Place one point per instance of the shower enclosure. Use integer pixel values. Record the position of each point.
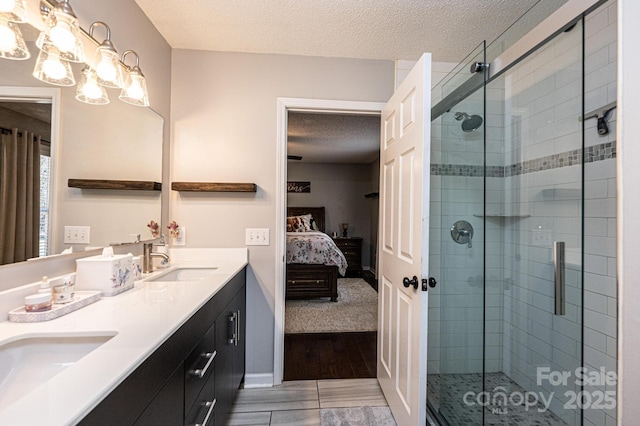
(505, 332)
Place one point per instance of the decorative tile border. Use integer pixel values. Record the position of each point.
(600, 152)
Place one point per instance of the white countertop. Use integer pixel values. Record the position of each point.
(143, 318)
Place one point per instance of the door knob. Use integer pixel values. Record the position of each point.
(432, 282)
(413, 282)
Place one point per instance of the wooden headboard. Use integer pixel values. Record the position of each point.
(316, 212)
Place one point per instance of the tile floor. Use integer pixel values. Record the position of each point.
(313, 402)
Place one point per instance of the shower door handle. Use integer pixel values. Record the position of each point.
(559, 277)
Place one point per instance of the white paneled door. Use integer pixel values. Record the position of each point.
(404, 238)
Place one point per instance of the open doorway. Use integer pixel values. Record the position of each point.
(331, 288)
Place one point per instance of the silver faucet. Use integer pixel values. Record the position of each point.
(147, 257)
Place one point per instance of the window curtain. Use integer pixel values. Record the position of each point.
(19, 196)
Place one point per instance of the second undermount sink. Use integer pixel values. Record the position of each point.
(30, 361)
(186, 274)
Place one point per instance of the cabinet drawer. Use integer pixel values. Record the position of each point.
(198, 367)
(202, 413)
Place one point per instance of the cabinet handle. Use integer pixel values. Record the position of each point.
(233, 340)
(202, 371)
(210, 405)
(237, 327)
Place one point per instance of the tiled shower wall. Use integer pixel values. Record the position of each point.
(542, 177)
(534, 168)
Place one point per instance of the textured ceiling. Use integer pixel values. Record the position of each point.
(368, 29)
(332, 138)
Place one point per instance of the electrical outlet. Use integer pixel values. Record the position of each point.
(76, 234)
(257, 236)
(182, 237)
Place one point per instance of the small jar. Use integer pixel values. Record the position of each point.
(37, 302)
(63, 293)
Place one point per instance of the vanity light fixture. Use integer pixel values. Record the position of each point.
(12, 45)
(51, 69)
(134, 91)
(14, 10)
(62, 33)
(107, 64)
(89, 90)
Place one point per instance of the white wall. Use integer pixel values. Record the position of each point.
(628, 204)
(224, 118)
(340, 188)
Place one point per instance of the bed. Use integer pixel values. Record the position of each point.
(313, 259)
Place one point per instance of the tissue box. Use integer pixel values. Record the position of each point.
(109, 274)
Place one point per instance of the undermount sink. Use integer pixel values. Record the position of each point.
(30, 361)
(186, 274)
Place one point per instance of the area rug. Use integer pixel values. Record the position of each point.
(357, 416)
(355, 310)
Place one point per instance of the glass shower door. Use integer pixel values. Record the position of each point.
(534, 238)
(456, 246)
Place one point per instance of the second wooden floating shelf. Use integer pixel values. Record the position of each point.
(213, 187)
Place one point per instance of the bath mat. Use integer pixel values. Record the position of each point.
(357, 416)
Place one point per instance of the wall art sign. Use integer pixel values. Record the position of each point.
(298, 186)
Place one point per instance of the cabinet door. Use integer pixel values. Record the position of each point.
(224, 390)
(239, 305)
(230, 361)
(168, 405)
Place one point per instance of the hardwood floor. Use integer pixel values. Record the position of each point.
(314, 356)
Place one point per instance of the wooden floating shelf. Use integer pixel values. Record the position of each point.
(130, 185)
(213, 187)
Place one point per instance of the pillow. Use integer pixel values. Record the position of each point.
(299, 223)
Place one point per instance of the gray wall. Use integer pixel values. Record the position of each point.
(340, 188)
(224, 126)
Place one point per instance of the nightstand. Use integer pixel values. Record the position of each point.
(351, 247)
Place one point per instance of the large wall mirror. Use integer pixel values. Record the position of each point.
(116, 141)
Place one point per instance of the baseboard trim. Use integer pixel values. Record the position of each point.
(258, 380)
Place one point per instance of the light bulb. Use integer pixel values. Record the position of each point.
(105, 70)
(7, 5)
(135, 90)
(54, 69)
(91, 89)
(62, 37)
(8, 40)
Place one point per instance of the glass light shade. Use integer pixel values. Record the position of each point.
(89, 91)
(51, 69)
(108, 68)
(63, 34)
(134, 91)
(14, 10)
(12, 45)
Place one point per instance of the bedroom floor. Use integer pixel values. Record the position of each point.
(310, 356)
(332, 340)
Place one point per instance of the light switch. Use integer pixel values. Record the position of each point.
(76, 234)
(257, 236)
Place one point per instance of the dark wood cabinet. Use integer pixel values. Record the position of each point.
(193, 377)
(351, 247)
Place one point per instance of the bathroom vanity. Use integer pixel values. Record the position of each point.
(174, 351)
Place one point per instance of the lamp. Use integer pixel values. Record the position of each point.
(14, 10)
(345, 226)
(62, 33)
(134, 91)
(12, 45)
(89, 90)
(107, 63)
(51, 69)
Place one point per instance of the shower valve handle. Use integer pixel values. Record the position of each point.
(413, 282)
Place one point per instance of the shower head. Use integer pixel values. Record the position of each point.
(470, 122)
